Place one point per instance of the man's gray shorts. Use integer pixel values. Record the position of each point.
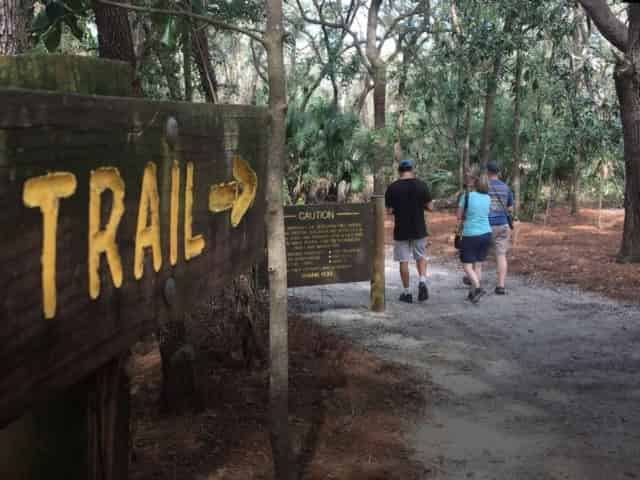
(404, 250)
(501, 239)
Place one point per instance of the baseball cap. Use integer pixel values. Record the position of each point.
(405, 165)
(492, 167)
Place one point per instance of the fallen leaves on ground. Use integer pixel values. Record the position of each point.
(348, 414)
(566, 249)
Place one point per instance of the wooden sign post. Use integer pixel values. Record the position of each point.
(377, 275)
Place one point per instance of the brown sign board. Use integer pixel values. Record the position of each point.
(104, 200)
(330, 243)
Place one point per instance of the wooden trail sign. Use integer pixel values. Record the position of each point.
(329, 243)
(104, 200)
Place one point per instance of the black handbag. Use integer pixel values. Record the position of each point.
(457, 240)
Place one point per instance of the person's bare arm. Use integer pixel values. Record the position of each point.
(460, 213)
(428, 206)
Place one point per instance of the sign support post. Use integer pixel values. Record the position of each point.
(377, 268)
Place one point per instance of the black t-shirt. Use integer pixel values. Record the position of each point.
(408, 197)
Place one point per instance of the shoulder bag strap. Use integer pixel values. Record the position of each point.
(466, 205)
(501, 203)
(506, 212)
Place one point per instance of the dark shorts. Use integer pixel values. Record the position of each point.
(475, 249)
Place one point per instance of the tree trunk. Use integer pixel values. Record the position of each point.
(402, 88)
(360, 100)
(379, 113)
(201, 53)
(115, 40)
(331, 64)
(108, 417)
(248, 96)
(539, 185)
(397, 145)
(490, 100)
(379, 73)
(604, 174)
(552, 189)
(600, 188)
(573, 85)
(186, 63)
(114, 33)
(489, 105)
(13, 26)
(575, 181)
(466, 144)
(515, 172)
(276, 253)
(310, 90)
(628, 88)
(628, 91)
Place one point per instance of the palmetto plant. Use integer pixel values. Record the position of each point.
(324, 142)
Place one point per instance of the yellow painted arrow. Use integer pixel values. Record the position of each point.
(237, 195)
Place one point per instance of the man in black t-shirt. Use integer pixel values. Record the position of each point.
(407, 198)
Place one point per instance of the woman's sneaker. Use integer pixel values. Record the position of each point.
(423, 292)
(500, 291)
(406, 297)
(474, 296)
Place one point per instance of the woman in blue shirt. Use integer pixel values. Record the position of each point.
(476, 231)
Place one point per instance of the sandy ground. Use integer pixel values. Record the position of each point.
(543, 383)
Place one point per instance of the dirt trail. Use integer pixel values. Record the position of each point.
(543, 383)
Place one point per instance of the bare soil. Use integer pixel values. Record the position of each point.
(348, 413)
(567, 249)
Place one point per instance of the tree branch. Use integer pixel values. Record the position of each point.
(342, 26)
(184, 13)
(421, 7)
(256, 64)
(373, 52)
(609, 25)
(358, 105)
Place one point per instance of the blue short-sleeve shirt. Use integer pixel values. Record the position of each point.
(501, 200)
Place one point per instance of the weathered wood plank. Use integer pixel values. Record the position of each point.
(49, 132)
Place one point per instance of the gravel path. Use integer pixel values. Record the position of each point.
(543, 383)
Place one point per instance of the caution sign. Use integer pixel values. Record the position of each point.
(328, 244)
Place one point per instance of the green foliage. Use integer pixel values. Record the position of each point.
(54, 16)
(568, 101)
(323, 142)
(170, 33)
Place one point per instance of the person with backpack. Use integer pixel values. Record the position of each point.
(475, 240)
(407, 199)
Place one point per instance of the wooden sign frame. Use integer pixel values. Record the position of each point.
(139, 193)
(329, 243)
